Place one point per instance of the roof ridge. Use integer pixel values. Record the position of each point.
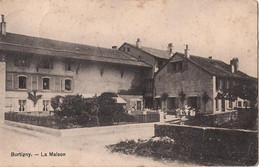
(56, 40)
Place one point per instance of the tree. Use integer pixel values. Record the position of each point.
(33, 97)
(242, 90)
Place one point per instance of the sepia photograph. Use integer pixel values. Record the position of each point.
(129, 83)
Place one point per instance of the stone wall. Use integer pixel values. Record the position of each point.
(217, 143)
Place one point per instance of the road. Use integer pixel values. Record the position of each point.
(85, 150)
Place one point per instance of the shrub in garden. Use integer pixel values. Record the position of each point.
(109, 110)
(159, 147)
(73, 109)
(56, 102)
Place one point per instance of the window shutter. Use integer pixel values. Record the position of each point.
(28, 83)
(63, 85)
(9, 81)
(72, 84)
(40, 83)
(34, 82)
(57, 84)
(52, 83)
(16, 82)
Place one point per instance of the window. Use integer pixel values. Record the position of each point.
(68, 65)
(217, 105)
(46, 83)
(22, 82)
(171, 103)
(239, 104)
(138, 105)
(45, 104)
(47, 63)
(68, 84)
(124, 49)
(177, 67)
(128, 49)
(193, 102)
(230, 104)
(21, 61)
(223, 105)
(21, 104)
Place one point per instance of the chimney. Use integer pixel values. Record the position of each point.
(3, 25)
(138, 43)
(187, 51)
(170, 49)
(210, 57)
(234, 64)
(114, 47)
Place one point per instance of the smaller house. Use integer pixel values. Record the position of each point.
(197, 81)
(154, 57)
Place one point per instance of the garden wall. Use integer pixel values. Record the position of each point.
(220, 118)
(217, 143)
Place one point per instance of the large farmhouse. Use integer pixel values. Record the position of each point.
(196, 81)
(61, 68)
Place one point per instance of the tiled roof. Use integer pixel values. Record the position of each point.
(42, 46)
(215, 67)
(163, 54)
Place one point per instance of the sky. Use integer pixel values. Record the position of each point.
(222, 29)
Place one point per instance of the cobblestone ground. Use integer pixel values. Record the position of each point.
(85, 150)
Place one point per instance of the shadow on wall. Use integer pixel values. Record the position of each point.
(136, 87)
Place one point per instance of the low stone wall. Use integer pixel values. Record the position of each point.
(220, 143)
(224, 117)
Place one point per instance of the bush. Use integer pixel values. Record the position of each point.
(74, 109)
(56, 102)
(109, 110)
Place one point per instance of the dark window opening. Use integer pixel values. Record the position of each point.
(230, 104)
(67, 84)
(22, 82)
(177, 67)
(128, 49)
(46, 83)
(22, 105)
(47, 63)
(171, 103)
(217, 105)
(138, 105)
(21, 61)
(158, 104)
(46, 105)
(223, 105)
(239, 104)
(193, 102)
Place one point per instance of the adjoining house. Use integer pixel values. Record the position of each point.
(196, 81)
(154, 57)
(61, 68)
